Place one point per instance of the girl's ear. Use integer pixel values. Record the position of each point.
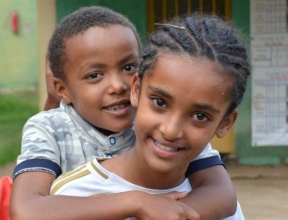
(226, 124)
(61, 90)
(135, 91)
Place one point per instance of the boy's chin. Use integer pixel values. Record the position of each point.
(113, 130)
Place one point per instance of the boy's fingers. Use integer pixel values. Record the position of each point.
(192, 215)
(174, 195)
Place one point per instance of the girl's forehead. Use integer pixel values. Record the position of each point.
(189, 74)
(188, 85)
(183, 62)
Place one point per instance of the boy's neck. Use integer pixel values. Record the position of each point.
(105, 132)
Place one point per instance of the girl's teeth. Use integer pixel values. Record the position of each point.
(165, 147)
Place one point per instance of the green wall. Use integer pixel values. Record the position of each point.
(246, 153)
(18, 63)
(135, 10)
(19, 52)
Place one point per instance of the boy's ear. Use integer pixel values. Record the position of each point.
(61, 90)
(135, 91)
(226, 124)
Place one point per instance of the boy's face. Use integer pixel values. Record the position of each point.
(101, 64)
(182, 105)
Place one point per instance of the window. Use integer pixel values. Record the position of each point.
(161, 10)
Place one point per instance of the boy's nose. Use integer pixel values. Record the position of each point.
(172, 128)
(117, 85)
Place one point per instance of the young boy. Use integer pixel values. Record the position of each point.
(192, 77)
(93, 70)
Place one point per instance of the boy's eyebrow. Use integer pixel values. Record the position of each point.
(102, 65)
(93, 65)
(129, 57)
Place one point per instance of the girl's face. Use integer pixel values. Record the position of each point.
(181, 106)
(99, 69)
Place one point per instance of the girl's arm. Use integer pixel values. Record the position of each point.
(213, 195)
(30, 200)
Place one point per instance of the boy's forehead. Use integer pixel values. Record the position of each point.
(98, 45)
(103, 35)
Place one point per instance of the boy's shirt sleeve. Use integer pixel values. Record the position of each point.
(208, 158)
(207, 153)
(39, 149)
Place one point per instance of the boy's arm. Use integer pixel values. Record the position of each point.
(53, 99)
(30, 200)
(213, 195)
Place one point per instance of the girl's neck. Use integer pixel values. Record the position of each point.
(132, 167)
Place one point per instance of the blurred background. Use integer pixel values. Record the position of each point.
(255, 151)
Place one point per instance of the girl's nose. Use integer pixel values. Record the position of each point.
(172, 128)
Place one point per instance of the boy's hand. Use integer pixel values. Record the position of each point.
(165, 206)
(173, 195)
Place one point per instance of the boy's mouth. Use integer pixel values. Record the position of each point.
(118, 105)
(115, 107)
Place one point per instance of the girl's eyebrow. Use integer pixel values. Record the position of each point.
(160, 91)
(206, 107)
(202, 106)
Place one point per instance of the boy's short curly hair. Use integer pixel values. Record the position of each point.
(76, 23)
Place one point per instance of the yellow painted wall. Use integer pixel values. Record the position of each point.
(46, 16)
(224, 145)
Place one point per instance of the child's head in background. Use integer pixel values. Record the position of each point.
(93, 54)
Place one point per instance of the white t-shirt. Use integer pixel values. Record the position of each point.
(92, 179)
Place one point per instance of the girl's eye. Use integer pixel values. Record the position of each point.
(130, 68)
(159, 102)
(200, 117)
(94, 76)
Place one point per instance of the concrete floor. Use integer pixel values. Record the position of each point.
(261, 191)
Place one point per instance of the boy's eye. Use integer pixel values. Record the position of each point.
(200, 117)
(158, 102)
(94, 75)
(130, 68)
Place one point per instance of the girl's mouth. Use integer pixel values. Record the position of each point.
(163, 147)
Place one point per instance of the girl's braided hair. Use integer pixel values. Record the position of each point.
(202, 36)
